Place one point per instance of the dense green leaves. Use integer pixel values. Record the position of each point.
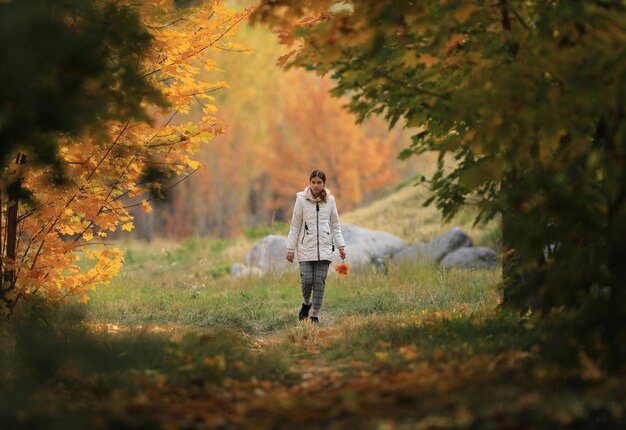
(525, 102)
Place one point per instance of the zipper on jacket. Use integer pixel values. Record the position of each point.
(317, 213)
(306, 228)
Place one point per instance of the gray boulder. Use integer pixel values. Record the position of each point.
(240, 270)
(268, 254)
(474, 258)
(237, 269)
(367, 247)
(436, 249)
(411, 254)
(375, 242)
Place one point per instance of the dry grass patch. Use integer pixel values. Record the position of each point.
(403, 214)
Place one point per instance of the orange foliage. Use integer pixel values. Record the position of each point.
(320, 133)
(105, 172)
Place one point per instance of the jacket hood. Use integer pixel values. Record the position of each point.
(309, 196)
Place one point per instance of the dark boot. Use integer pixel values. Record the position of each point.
(304, 312)
(315, 320)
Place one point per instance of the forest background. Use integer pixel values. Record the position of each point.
(279, 126)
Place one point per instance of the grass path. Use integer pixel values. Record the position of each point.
(173, 343)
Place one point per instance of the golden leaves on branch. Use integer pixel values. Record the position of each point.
(107, 170)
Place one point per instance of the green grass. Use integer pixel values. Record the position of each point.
(189, 295)
(174, 342)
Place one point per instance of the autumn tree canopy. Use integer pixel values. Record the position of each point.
(317, 132)
(528, 98)
(280, 127)
(124, 60)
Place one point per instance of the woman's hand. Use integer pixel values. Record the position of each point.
(342, 253)
(290, 255)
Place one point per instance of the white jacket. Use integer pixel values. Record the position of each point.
(315, 230)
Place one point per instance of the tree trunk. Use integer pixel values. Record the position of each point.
(616, 316)
(521, 285)
(511, 277)
(8, 281)
(11, 244)
(615, 319)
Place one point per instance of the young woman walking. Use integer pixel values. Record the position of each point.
(314, 233)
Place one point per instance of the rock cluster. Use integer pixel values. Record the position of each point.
(372, 250)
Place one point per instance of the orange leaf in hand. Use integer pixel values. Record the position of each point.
(343, 269)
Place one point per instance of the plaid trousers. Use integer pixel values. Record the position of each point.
(313, 280)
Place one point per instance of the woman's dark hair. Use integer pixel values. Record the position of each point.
(318, 174)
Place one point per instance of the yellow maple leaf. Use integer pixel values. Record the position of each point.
(128, 226)
(145, 206)
(67, 230)
(194, 164)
